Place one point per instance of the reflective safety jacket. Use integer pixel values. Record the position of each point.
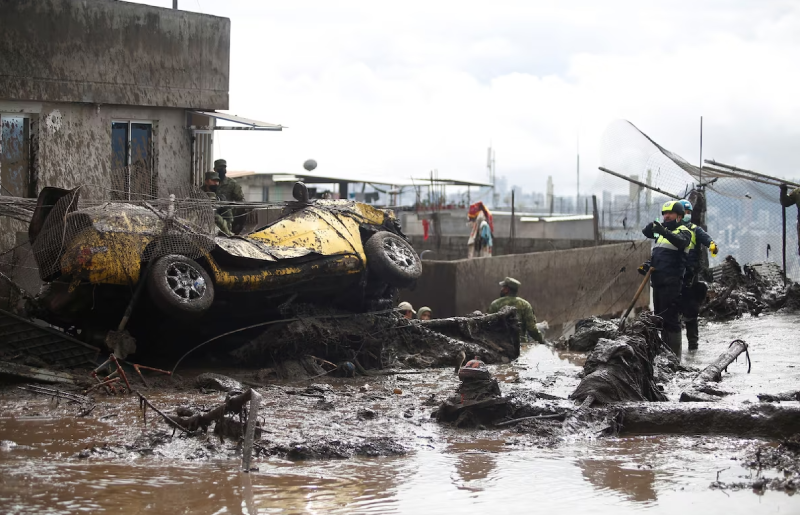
(699, 237)
(669, 253)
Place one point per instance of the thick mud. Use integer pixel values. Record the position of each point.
(369, 444)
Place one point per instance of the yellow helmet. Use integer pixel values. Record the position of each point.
(673, 206)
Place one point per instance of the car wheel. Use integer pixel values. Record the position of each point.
(392, 259)
(180, 287)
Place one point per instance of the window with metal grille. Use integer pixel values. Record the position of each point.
(15, 156)
(132, 160)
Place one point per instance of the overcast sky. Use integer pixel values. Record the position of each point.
(401, 88)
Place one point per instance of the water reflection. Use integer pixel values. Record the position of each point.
(634, 484)
(474, 462)
(472, 468)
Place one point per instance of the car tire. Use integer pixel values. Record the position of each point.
(180, 287)
(392, 259)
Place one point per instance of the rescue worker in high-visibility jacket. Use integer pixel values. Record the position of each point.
(669, 263)
(694, 291)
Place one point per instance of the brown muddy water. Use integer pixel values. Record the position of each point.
(444, 470)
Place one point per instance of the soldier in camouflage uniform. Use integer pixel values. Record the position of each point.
(527, 320)
(222, 217)
(229, 190)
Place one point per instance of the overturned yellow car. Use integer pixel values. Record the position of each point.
(94, 255)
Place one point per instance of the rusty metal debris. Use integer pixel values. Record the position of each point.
(86, 403)
(116, 371)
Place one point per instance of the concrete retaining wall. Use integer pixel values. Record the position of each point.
(562, 286)
(454, 223)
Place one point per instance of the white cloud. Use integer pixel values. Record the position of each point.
(399, 89)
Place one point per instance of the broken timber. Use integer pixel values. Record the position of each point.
(39, 375)
(759, 420)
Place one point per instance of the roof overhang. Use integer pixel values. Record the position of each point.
(248, 124)
(438, 181)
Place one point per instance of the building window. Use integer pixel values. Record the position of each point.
(265, 194)
(15, 156)
(132, 160)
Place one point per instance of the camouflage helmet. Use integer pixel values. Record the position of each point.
(512, 283)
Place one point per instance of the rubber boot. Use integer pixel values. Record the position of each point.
(692, 334)
(674, 341)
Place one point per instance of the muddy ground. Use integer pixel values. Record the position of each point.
(369, 443)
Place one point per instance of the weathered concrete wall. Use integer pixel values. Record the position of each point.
(561, 285)
(110, 52)
(72, 147)
(455, 247)
(75, 144)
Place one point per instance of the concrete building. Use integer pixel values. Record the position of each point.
(89, 87)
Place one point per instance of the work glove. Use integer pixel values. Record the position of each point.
(714, 249)
(643, 268)
(658, 228)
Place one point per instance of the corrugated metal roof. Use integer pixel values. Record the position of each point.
(317, 178)
(251, 124)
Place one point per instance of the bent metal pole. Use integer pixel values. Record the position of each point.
(634, 181)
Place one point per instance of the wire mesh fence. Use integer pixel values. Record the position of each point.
(743, 211)
(123, 223)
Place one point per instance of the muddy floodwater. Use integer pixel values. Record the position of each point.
(443, 470)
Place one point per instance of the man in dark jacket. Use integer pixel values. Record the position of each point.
(668, 260)
(694, 292)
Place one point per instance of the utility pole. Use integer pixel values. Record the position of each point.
(578, 173)
(490, 169)
(701, 150)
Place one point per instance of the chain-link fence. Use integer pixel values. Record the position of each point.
(743, 211)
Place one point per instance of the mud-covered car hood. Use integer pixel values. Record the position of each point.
(254, 249)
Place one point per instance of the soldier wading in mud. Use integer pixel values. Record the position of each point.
(694, 291)
(527, 320)
(669, 261)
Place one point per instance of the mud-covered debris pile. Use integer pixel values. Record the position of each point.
(752, 289)
(382, 341)
(623, 369)
(477, 401)
(784, 460)
(588, 332)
